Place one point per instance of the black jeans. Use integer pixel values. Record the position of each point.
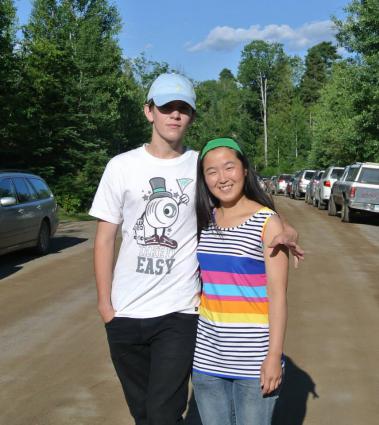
(153, 360)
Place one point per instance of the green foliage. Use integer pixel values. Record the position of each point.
(8, 73)
(335, 135)
(318, 63)
(69, 100)
(219, 113)
(360, 33)
(146, 71)
(261, 59)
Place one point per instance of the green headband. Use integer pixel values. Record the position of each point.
(220, 143)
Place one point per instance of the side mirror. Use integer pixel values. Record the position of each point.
(8, 201)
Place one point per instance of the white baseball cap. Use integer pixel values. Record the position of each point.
(169, 87)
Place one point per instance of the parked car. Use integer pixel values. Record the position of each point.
(356, 192)
(271, 185)
(310, 190)
(300, 183)
(288, 191)
(324, 186)
(281, 183)
(261, 182)
(28, 212)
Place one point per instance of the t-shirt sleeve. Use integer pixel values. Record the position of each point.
(107, 204)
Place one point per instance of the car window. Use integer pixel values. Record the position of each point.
(6, 188)
(369, 175)
(336, 173)
(352, 174)
(23, 192)
(43, 191)
(308, 175)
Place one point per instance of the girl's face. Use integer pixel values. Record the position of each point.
(224, 175)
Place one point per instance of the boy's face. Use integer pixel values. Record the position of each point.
(170, 121)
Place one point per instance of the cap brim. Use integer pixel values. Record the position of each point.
(161, 100)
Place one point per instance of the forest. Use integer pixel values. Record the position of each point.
(70, 100)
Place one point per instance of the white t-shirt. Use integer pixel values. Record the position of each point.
(156, 271)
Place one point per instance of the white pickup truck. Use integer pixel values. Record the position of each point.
(356, 192)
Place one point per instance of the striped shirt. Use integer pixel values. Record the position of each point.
(233, 332)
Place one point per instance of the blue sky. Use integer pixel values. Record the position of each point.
(201, 37)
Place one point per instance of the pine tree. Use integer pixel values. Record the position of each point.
(318, 65)
(8, 78)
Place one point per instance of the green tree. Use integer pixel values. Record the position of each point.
(335, 139)
(359, 33)
(219, 113)
(318, 63)
(259, 71)
(75, 93)
(8, 75)
(146, 70)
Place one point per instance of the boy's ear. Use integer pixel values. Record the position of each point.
(148, 110)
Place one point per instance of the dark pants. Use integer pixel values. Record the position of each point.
(153, 360)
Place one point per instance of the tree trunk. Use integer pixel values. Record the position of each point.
(263, 86)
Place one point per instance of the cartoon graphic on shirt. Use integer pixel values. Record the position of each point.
(161, 212)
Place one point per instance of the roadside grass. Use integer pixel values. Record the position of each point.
(64, 216)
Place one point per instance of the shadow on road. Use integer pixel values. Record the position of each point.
(364, 219)
(13, 262)
(291, 407)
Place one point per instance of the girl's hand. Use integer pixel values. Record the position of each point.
(271, 373)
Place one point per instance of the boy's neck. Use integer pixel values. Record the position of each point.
(165, 150)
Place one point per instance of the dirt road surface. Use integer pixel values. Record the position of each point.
(54, 363)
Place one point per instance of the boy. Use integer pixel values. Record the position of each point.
(149, 302)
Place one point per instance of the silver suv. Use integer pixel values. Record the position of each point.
(28, 212)
(300, 183)
(324, 186)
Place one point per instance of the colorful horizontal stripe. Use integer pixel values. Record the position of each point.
(217, 305)
(224, 263)
(238, 279)
(234, 290)
(233, 317)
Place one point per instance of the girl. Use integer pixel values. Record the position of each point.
(238, 357)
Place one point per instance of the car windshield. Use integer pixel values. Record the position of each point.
(336, 173)
(369, 175)
(308, 175)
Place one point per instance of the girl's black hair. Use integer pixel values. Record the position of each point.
(205, 201)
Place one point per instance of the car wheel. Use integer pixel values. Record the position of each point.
(43, 242)
(346, 213)
(332, 210)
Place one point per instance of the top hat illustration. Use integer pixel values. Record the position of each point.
(158, 184)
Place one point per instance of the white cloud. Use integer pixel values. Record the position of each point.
(148, 46)
(296, 39)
